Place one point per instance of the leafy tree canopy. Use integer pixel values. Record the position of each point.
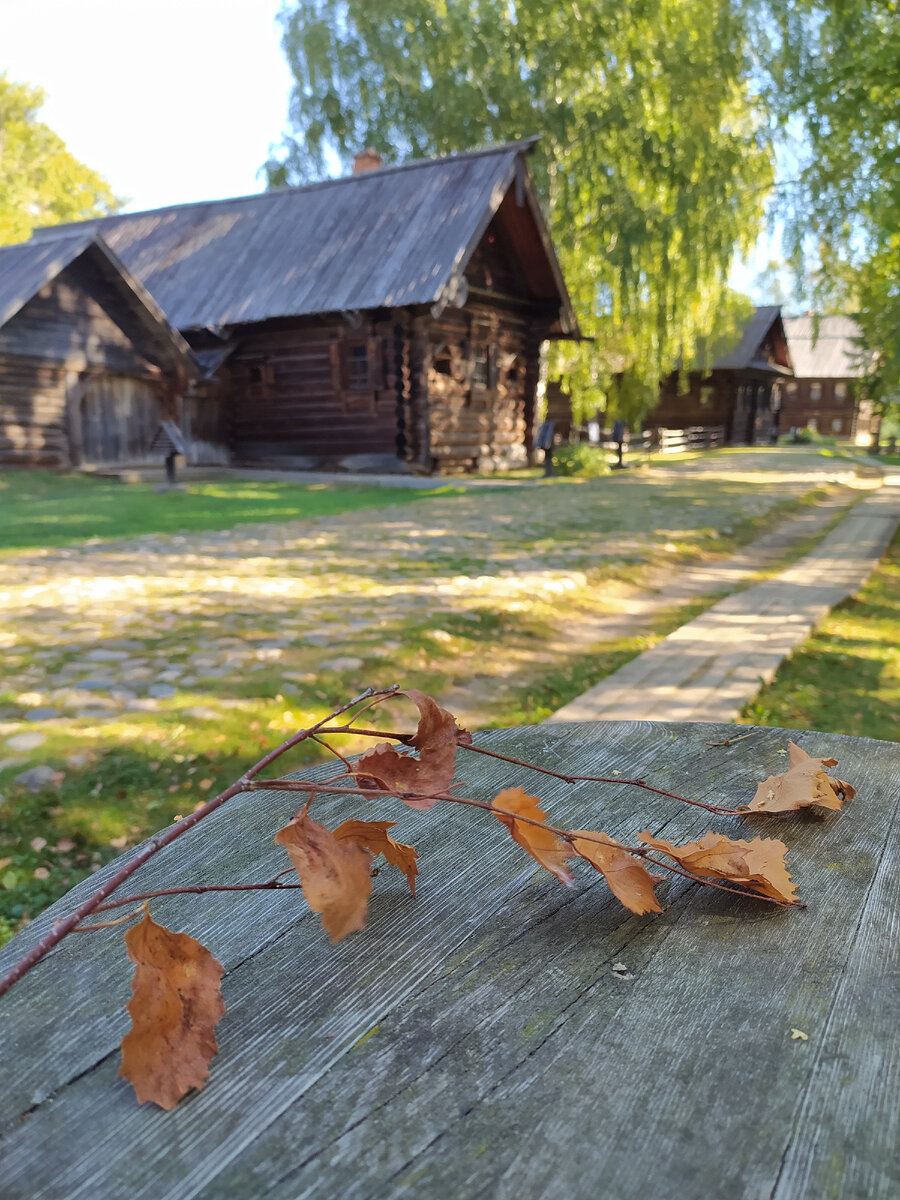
(835, 86)
(41, 183)
(654, 162)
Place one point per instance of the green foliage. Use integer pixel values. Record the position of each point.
(580, 459)
(835, 82)
(41, 183)
(653, 160)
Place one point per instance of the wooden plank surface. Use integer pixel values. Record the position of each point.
(477, 1041)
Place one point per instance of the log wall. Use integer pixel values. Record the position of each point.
(33, 428)
(482, 367)
(289, 392)
(64, 323)
(834, 415)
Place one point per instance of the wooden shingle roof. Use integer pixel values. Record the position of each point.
(826, 347)
(393, 237)
(745, 353)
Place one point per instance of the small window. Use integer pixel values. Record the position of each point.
(358, 367)
(480, 366)
(813, 424)
(840, 392)
(815, 392)
(837, 425)
(442, 362)
(791, 390)
(260, 378)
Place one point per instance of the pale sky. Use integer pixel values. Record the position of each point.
(171, 101)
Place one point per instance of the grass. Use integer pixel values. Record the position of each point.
(42, 509)
(467, 595)
(846, 677)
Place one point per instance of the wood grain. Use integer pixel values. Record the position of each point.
(477, 1041)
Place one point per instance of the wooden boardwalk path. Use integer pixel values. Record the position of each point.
(710, 668)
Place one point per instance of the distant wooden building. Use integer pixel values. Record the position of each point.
(743, 391)
(829, 363)
(390, 319)
(88, 364)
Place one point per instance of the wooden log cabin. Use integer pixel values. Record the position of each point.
(89, 366)
(743, 391)
(390, 320)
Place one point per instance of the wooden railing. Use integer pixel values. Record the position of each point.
(659, 440)
(694, 437)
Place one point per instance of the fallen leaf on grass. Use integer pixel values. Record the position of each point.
(797, 1035)
(549, 850)
(374, 836)
(175, 1006)
(757, 865)
(335, 874)
(629, 880)
(436, 738)
(804, 784)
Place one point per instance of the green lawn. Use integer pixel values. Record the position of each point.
(846, 677)
(42, 509)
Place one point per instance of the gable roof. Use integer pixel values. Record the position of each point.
(826, 347)
(388, 238)
(26, 268)
(745, 353)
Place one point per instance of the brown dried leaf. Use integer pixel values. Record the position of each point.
(335, 874)
(549, 850)
(175, 1005)
(374, 836)
(803, 785)
(413, 780)
(436, 738)
(437, 726)
(757, 865)
(629, 880)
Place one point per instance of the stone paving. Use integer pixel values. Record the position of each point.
(110, 629)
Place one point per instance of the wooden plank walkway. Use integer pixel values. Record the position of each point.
(710, 668)
(483, 1039)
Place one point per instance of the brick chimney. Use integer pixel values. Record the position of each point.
(366, 160)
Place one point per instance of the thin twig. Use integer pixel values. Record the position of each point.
(109, 924)
(718, 809)
(731, 741)
(271, 885)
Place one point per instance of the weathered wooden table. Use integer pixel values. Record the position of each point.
(501, 1035)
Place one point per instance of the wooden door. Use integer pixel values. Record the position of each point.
(118, 416)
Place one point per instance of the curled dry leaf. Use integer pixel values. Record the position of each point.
(629, 880)
(416, 780)
(335, 874)
(374, 836)
(549, 850)
(805, 784)
(757, 865)
(175, 1005)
